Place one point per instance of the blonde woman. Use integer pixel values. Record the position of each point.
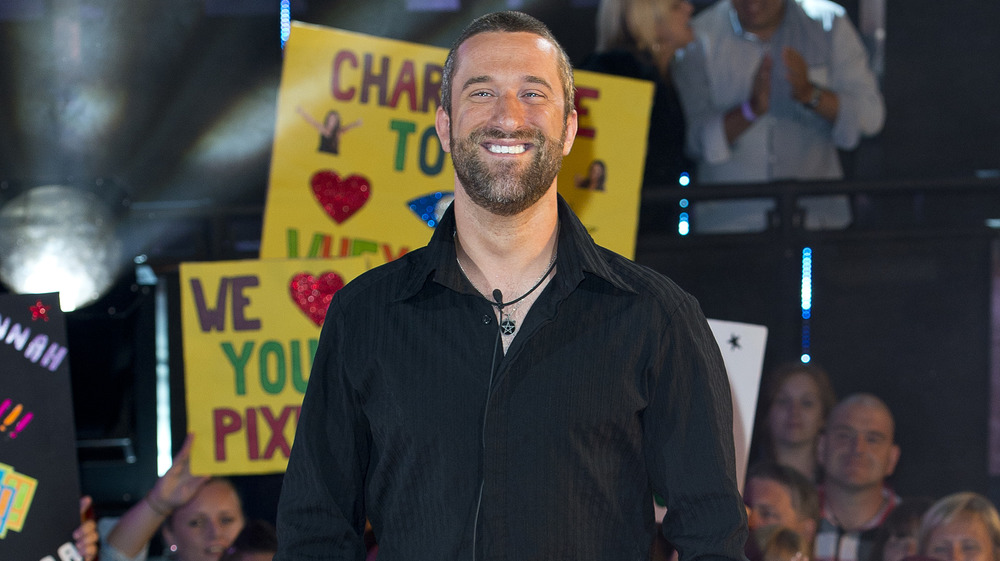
(961, 527)
(638, 39)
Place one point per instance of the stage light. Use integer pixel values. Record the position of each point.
(58, 239)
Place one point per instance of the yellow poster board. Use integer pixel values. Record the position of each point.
(357, 168)
(250, 330)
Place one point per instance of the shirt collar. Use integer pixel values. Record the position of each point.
(578, 254)
(890, 500)
(734, 19)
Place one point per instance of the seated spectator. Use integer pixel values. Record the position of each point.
(777, 543)
(961, 527)
(797, 402)
(781, 496)
(900, 530)
(257, 542)
(857, 453)
(199, 517)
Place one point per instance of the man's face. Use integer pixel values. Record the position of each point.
(759, 16)
(770, 503)
(507, 130)
(857, 451)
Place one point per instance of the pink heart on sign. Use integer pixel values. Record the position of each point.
(313, 294)
(340, 197)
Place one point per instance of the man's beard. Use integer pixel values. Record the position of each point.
(502, 188)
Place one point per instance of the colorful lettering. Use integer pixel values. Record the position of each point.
(17, 491)
(322, 245)
(582, 111)
(374, 81)
(215, 317)
(405, 129)
(229, 423)
(273, 365)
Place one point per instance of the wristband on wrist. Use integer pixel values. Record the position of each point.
(152, 505)
(747, 111)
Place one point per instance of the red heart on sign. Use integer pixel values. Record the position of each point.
(313, 294)
(340, 198)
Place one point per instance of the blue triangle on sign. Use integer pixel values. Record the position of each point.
(430, 208)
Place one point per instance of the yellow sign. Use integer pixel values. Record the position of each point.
(357, 168)
(250, 330)
(602, 175)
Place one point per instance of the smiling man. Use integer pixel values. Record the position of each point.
(858, 452)
(512, 390)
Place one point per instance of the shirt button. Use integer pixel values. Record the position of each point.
(487, 319)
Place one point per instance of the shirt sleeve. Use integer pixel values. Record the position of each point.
(109, 553)
(688, 439)
(321, 511)
(862, 109)
(706, 135)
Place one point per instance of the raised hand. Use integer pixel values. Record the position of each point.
(177, 485)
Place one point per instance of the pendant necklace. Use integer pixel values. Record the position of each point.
(508, 325)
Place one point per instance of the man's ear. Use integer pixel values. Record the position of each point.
(572, 122)
(894, 453)
(442, 123)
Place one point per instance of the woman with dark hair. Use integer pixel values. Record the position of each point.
(329, 130)
(594, 180)
(798, 401)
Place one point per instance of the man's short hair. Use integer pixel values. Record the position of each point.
(870, 401)
(507, 22)
(805, 498)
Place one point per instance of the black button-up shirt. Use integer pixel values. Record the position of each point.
(613, 388)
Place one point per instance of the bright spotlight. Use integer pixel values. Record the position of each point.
(58, 239)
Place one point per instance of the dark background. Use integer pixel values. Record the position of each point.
(165, 110)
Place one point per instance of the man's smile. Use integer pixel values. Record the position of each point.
(506, 149)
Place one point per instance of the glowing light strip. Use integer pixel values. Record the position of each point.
(683, 225)
(164, 453)
(286, 20)
(684, 220)
(806, 297)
